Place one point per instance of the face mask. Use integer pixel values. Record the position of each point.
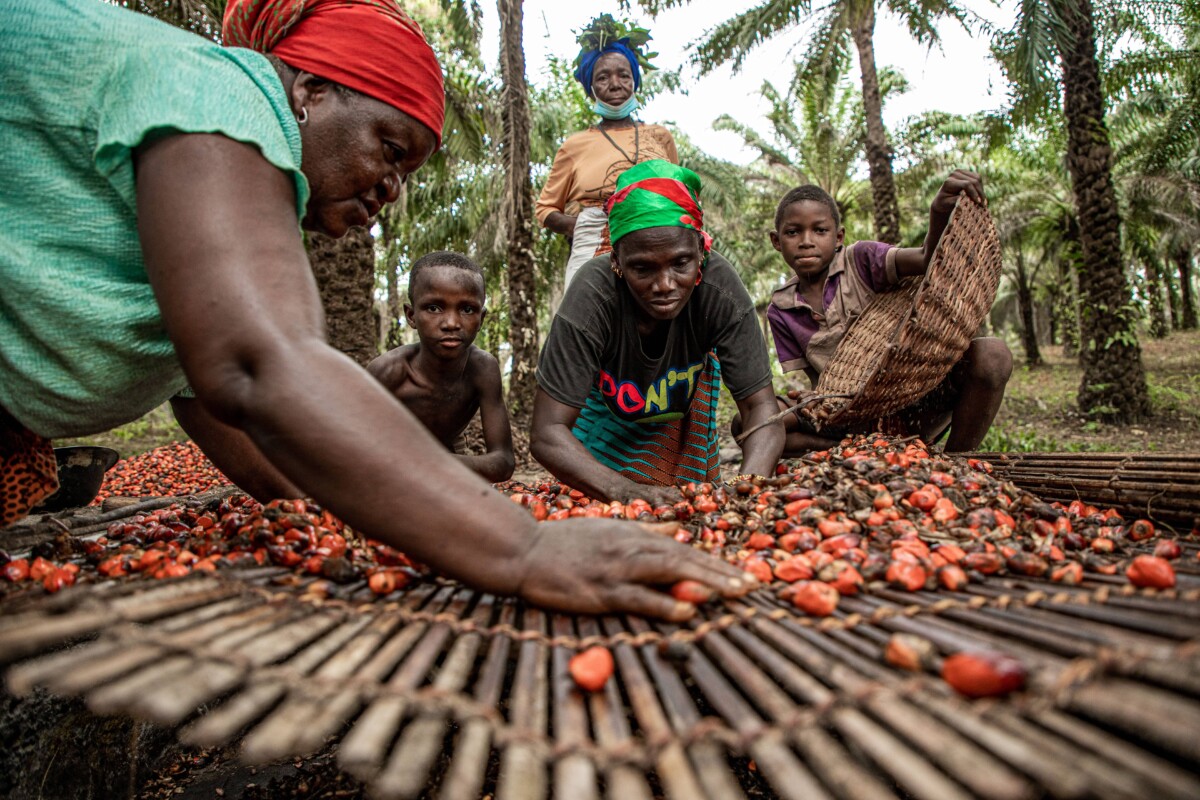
(616, 112)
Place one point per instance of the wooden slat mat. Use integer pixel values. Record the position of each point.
(441, 692)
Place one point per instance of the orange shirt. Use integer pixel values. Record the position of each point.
(587, 166)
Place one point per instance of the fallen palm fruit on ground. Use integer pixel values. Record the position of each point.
(175, 469)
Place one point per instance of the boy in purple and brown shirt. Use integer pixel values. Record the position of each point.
(834, 283)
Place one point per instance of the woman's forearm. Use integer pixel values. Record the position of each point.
(240, 304)
(334, 431)
(557, 449)
(762, 449)
(492, 467)
(561, 223)
(233, 453)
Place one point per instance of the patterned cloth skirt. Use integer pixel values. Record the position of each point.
(671, 453)
(28, 471)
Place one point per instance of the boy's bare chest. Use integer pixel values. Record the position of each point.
(443, 408)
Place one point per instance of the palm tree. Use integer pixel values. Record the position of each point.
(518, 204)
(1053, 43)
(817, 134)
(198, 16)
(1157, 127)
(838, 24)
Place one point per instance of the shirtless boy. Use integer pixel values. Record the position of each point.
(444, 379)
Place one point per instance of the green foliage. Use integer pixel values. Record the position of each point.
(999, 440)
(606, 29)
(198, 16)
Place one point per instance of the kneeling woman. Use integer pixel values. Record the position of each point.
(628, 379)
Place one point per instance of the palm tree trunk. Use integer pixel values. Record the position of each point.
(345, 272)
(1154, 288)
(1173, 300)
(522, 288)
(1066, 303)
(879, 152)
(1033, 355)
(1114, 383)
(1183, 260)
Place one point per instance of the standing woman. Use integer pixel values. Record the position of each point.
(586, 167)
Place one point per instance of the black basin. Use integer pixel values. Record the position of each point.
(80, 474)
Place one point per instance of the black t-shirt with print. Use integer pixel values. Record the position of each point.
(594, 343)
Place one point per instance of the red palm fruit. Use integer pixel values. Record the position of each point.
(40, 568)
(693, 592)
(1102, 545)
(56, 579)
(942, 479)
(815, 598)
(951, 552)
(952, 577)
(1151, 572)
(1168, 549)
(837, 545)
(985, 563)
(830, 528)
(793, 569)
(883, 500)
(843, 577)
(983, 673)
(335, 542)
(906, 575)
(1070, 573)
(981, 518)
(113, 567)
(1004, 518)
(592, 668)
(944, 510)
(1043, 528)
(909, 652)
(1141, 529)
(1023, 563)
(758, 568)
(16, 570)
(796, 506)
(789, 542)
(171, 571)
(760, 541)
(922, 499)
(382, 582)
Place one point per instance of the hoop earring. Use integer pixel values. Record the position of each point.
(302, 119)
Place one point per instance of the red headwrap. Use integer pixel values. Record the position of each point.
(370, 46)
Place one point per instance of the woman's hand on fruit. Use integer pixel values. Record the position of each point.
(595, 566)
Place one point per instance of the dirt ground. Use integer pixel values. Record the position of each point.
(1039, 411)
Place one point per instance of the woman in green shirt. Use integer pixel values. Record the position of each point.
(154, 182)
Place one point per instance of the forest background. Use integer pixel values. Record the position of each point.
(1089, 148)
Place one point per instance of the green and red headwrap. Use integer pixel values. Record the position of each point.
(371, 46)
(656, 194)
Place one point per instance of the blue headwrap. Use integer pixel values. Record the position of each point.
(587, 63)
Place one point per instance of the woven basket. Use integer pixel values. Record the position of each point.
(906, 341)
